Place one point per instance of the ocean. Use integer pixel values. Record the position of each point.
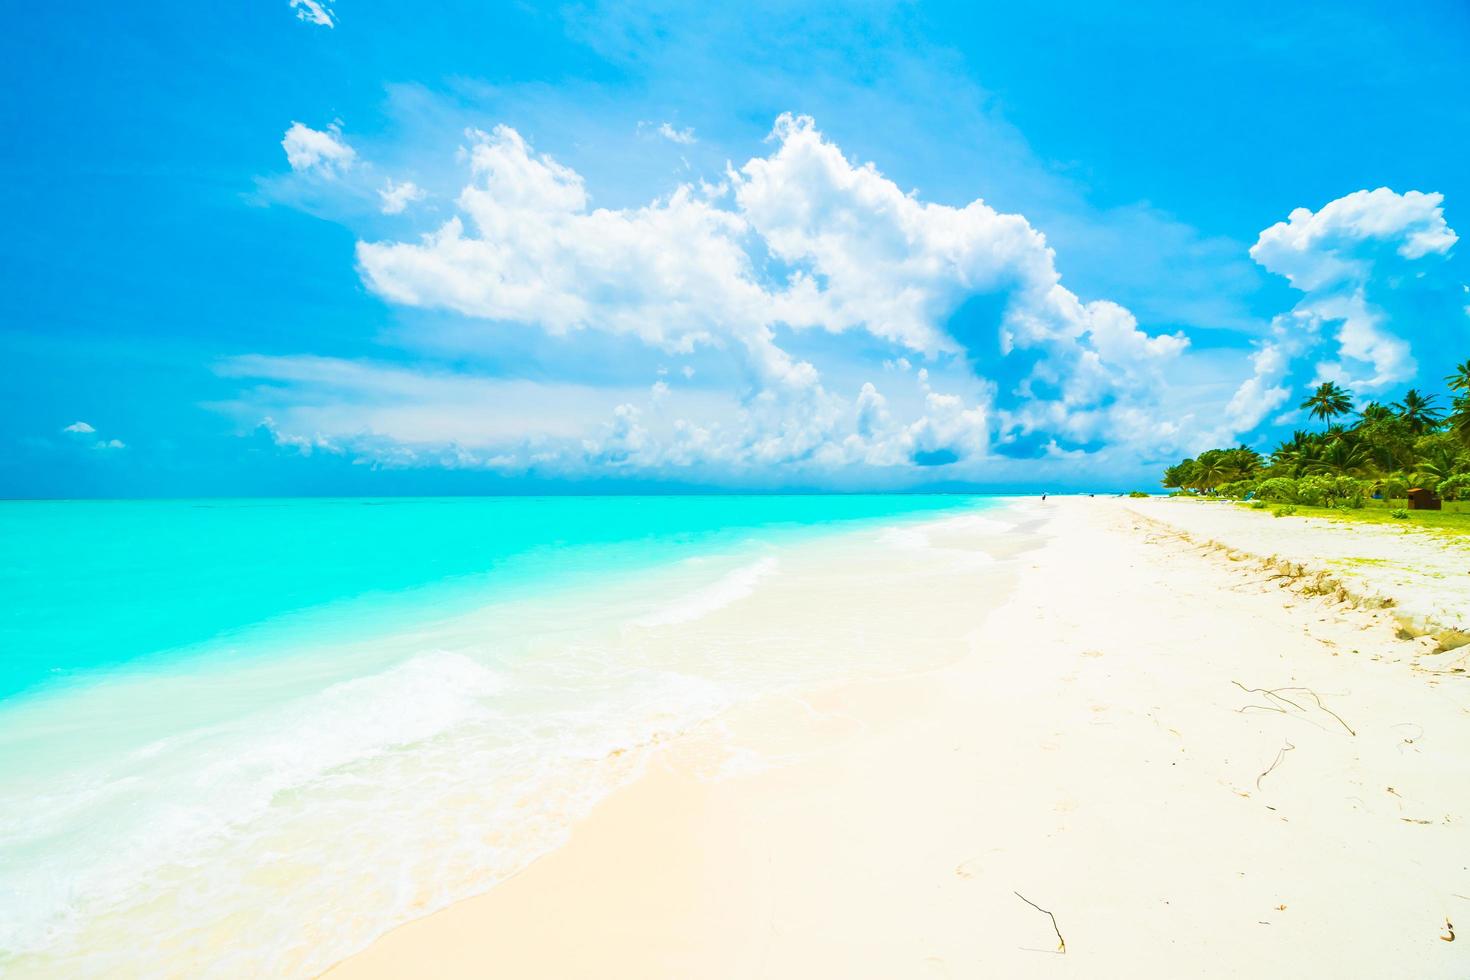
(245, 737)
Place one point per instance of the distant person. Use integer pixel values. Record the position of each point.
(1043, 496)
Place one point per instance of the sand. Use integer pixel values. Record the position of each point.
(1426, 573)
(1089, 746)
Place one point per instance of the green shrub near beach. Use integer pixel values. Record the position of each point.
(1280, 490)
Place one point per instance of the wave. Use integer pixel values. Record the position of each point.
(733, 587)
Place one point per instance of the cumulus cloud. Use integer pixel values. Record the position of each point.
(529, 248)
(1318, 250)
(801, 284)
(396, 197)
(317, 12)
(317, 151)
(79, 427)
(1347, 259)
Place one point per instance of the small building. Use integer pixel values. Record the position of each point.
(1421, 499)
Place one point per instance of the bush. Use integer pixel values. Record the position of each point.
(1236, 489)
(1399, 513)
(1455, 487)
(1309, 491)
(1138, 493)
(1331, 491)
(1279, 489)
(1258, 505)
(1285, 511)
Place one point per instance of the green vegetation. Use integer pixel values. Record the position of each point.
(1138, 493)
(1357, 466)
(1454, 519)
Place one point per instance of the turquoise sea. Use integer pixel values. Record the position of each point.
(208, 705)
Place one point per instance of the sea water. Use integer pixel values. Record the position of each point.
(246, 737)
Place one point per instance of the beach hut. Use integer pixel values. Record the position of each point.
(1421, 499)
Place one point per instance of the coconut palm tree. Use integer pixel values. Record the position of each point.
(1211, 469)
(1459, 420)
(1373, 412)
(1436, 458)
(1242, 462)
(1342, 458)
(1328, 402)
(1459, 379)
(1294, 454)
(1418, 411)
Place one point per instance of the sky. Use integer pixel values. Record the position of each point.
(300, 247)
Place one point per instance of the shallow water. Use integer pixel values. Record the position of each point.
(253, 735)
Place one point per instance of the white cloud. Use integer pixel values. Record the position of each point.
(868, 279)
(396, 197)
(1340, 257)
(1321, 249)
(668, 132)
(316, 151)
(81, 434)
(673, 273)
(529, 248)
(396, 416)
(317, 12)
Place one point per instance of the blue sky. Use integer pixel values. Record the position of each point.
(378, 248)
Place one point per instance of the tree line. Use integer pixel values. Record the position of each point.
(1379, 450)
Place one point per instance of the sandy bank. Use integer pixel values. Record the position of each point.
(1092, 747)
(1425, 574)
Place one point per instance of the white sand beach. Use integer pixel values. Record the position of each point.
(1196, 767)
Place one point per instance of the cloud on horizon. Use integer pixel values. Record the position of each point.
(791, 283)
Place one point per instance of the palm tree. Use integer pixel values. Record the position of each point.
(1459, 420)
(1373, 412)
(1419, 411)
(1328, 402)
(1437, 461)
(1341, 458)
(1242, 462)
(1459, 380)
(1211, 469)
(1296, 453)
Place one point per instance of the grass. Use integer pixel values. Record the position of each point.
(1454, 519)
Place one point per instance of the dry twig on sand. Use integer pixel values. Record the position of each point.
(1275, 693)
(1280, 753)
(1061, 943)
(1269, 693)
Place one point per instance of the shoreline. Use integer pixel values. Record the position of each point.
(1093, 748)
(380, 783)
